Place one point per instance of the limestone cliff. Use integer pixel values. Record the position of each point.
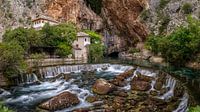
(121, 22)
(75, 11)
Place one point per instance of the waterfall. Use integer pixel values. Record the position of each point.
(28, 78)
(50, 72)
(170, 83)
(183, 104)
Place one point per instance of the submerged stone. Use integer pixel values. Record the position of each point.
(61, 101)
(102, 87)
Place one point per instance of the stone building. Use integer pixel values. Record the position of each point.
(80, 46)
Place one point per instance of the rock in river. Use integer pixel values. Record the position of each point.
(61, 101)
(102, 87)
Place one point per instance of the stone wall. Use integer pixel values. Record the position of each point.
(54, 61)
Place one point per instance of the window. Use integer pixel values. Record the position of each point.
(85, 39)
(77, 45)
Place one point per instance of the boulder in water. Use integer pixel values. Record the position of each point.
(141, 83)
(102, 87)
(63, 100)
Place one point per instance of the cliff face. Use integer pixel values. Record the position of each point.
(121, 19)
(75, 11)
(15, 13)
(121, 22)
(123, 15)
(163, 16)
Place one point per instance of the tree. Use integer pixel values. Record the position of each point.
(95, 37)
(63, 50)
(96, 52)
(12, 59)
(180, 46)
(25, 37)
(62, 33)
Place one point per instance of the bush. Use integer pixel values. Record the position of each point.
(95, 38)
(187, 8)
(11, 59)
(25, 37)
(180, 46)
(63, 50)
(62, 33)
(96, 52)
(4, 109)
(194, 109)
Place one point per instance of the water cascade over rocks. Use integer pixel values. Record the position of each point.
(140, 89)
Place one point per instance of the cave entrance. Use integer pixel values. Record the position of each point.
(114, 55)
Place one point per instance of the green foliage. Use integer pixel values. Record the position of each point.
(180, 46)
(4, 109)
(11, 59)
(95, 38)
(187, 8)
(54, 35)
(96, 52)
(194, 109)
(63, 50)
(49, 36)
(25, 37)
(95, 5)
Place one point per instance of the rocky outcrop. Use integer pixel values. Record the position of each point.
(141, 83)
(102, 86)
(63, 100)
(163, 16)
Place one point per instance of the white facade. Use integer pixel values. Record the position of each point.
(80, 46)
(40, 22)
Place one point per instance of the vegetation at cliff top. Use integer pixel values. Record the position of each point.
(180, 46)
(187, 8)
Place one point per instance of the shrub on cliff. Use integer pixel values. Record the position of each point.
(187, 8)
(180, 46)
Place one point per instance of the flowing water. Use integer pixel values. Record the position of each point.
(28, 95)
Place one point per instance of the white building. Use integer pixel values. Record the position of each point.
(80, 46)
(39, 22)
